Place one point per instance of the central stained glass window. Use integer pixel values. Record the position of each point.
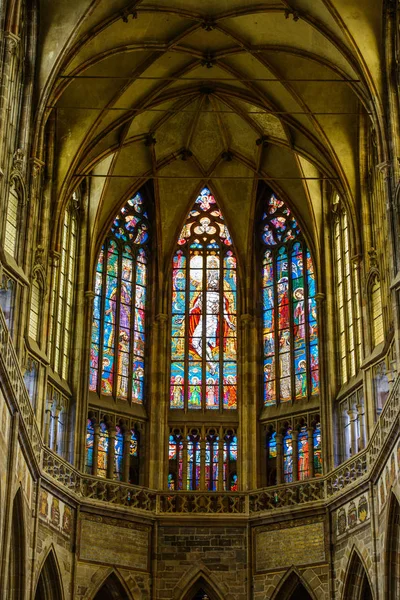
(204, 340)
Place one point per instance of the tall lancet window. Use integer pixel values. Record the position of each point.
(290, 332)
(118, 330)
(203, 350)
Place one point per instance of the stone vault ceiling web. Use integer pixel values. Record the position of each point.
(231, 91)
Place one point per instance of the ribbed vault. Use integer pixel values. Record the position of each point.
(222, 92)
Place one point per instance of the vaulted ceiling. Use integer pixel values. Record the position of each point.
(222, 92)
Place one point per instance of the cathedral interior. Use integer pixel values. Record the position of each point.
(199, 300)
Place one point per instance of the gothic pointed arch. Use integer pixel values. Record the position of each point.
(112, 589)
(357, 585)
(49, 583)
(393, 550)
(200, 582)
(293, 587)
(117, 353)
(17, 555)
(204, 308)
(289, 307)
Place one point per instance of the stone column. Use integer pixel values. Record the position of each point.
(248, 447)
(202, 463)
(126, 456)
(279, 458)
(310, 432)
(111, 451)
(220, 486)
(361, 420)
(325, 407)
(55, 426)
(96, 437)
(352, 412)
(184, 464)
(295, 455)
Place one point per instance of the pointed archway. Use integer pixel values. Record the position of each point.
(201, 590)
(49, 584)
(112, 589)
(16, 561)
(393, 550)
(357, 584)
(293, 588)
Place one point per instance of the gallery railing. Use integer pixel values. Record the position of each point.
(137, 498)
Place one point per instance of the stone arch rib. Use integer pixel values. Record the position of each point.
(112, 589)
(293, 587)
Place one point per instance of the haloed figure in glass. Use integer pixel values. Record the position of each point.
(203, 352)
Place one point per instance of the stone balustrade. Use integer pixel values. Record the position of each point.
(85, 487)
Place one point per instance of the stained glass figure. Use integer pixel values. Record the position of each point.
(118, 327)
(89, 447)
(119, 453)
(317, 450)
(204, 340)
(102, 452)
(288, 457)
(212, 451)
(230, 462)
(303, 454)
(175, 454)
(290, 332)
(193, 462)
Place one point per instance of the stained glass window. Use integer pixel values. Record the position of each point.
(102, 451)
(216, 467)
(89, 447)
(317, 450)
(376, 313)
(119, 453)
(288, 457)
(35, 308)
(56, 420)
(203, 349)
(303, 453)
(290, 331)
(118, 330)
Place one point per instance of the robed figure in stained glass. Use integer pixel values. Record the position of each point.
(290, 334)
(203, 351)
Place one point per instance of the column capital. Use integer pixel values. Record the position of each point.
(319, 297)
(246, 319)
(89, 296)
(161, 318)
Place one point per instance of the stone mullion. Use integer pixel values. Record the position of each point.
(361, 420)
(220, 483)
(248, 451)
(111, 450)
(310, 434)
(352, 412)
(96, 438)
(184, 462)
(126, 456)
(202, 460)
(295, 455)
(326, 409)
(279, 458)
(158, 413)
(55, 427)
(83, 406)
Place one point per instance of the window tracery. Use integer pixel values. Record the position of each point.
(119, 314)
(62, 294)
(203, 458)
(203, 349)
(347, 296)
(112, 447)
(293, 449)
(56, 421)
(290, 330)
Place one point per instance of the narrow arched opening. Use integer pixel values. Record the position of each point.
(49, 586)
(17, 555)
(393, 550)
(292, 589)
(112, 589)
(201, 590)
(357, 586)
